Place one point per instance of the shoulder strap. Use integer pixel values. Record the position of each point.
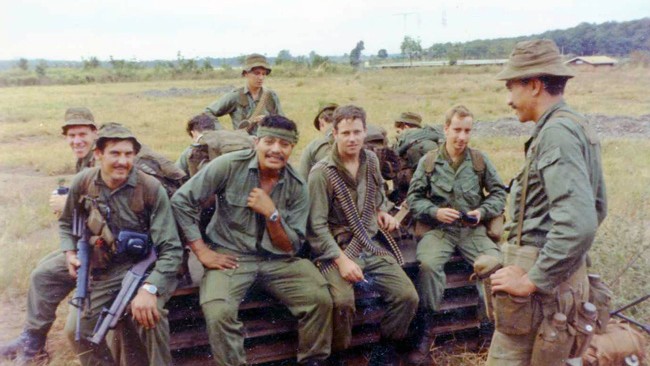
(478, 163)
(243, 99)
(88, 186)
(261, 104)
(430, 162)
(144, 197)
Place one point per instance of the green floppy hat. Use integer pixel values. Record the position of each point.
(534, 58)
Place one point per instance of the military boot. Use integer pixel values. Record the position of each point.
(27, 346)
(421, 355)
(384, 353)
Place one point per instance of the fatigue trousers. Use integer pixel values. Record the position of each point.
(516, 350)
(294, 281)
(384, 275)
(436, 248)
(49, 284)
(131, 343)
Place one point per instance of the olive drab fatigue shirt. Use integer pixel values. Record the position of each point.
(230, 104)
(326, 214)
(161, 225)
(87, 161)
(315, 151)
(235, 226)
(566, 200)
(456, 187)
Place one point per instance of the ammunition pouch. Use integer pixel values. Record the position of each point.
(132, 243)
(513, 315)
(102, 240)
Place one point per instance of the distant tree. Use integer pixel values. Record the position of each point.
(23, 64)
(355, 54)
(91, 63)
(40, 68)
(318, 60)
(382, 54)
(284, 56)
(207, 65)
(411, 48)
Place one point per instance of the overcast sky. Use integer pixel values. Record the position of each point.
(158, 29)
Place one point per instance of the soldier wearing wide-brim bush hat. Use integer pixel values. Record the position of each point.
(535, 58)
(329, 107)
(410, 118)
(255, 60)
(78, 116)
(116, 131)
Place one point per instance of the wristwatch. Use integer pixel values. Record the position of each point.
(152, 289)
(274, 216)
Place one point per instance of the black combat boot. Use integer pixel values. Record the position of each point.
(27, 347)
(421, 355)
(384, 353)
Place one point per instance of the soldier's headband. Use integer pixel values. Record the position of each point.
(281, 133)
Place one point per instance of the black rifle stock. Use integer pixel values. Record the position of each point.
(130, 285)
(81, 300)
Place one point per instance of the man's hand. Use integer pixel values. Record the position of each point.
(144, 309)
(260, 202)
(349, 270)
(512, 280)
(447, 215)
(211, 259)
(386, 221)
(57, 202)
(72, 262)
(477, 214)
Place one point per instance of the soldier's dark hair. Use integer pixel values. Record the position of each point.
(327, 115)
(554, 85)
(458, 110)
(200, 123)
(350, 112)
(278, 121)
(100, 144)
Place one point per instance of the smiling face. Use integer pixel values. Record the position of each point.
(116, 161)
(81, 139)
(457, 134)
(349, 135)
(273, 152)
(520, 99)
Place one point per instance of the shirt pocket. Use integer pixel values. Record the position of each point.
(548, 158)
(239, 215)
(471, 191)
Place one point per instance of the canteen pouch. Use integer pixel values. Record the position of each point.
(484, 267)
(513, 315)
(494, 228)
(553, 342)
(601, 296)
(585, 326)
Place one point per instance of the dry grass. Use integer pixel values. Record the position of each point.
(33, 154)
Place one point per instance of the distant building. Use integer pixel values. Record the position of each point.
(592, 62)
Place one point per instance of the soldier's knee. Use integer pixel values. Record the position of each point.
(344, 302)
(408, 296)
(322, 299)
(218, 312)
(431, 269)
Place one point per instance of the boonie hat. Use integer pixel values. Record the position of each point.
(114, 130)
(78, 116)
(255, 60)
(409, 118)
(325, 107)
(376, 134)
(534, 58)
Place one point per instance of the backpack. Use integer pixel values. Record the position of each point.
(377, 142)
(413, 144)
(164, 170)
(216, 143)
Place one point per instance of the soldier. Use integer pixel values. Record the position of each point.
(108, 191)
(250, 103)
(320, 147)
(50, 282)
(347, 246)
(557, 203)
(407, 121)
(455, 187)
(195, 128)
(258, 228)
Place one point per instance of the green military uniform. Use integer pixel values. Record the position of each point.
(565, 203)
(327, 219)
(182, 162)
(233, 104)
(147, 346)
(315, 151)
(457, 186)
(236, 229)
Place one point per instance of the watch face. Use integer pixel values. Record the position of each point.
(150, 288)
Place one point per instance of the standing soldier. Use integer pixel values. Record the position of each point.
(348, 208)
(50, 282)
(250, 103)
(448, 185)
(320, 147)
(108, 196)
(258, 228)
(557, 203)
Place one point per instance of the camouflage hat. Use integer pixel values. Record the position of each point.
(409, 118)
(534, 58)
(255, 60)
(78, 116)
(114, 130)
(325, 107)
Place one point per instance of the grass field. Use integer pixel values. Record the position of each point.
(33, 154)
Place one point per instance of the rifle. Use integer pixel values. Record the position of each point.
(81, 300)
(639, 324)
(109, 317)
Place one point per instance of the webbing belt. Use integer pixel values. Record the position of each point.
(360, 239)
